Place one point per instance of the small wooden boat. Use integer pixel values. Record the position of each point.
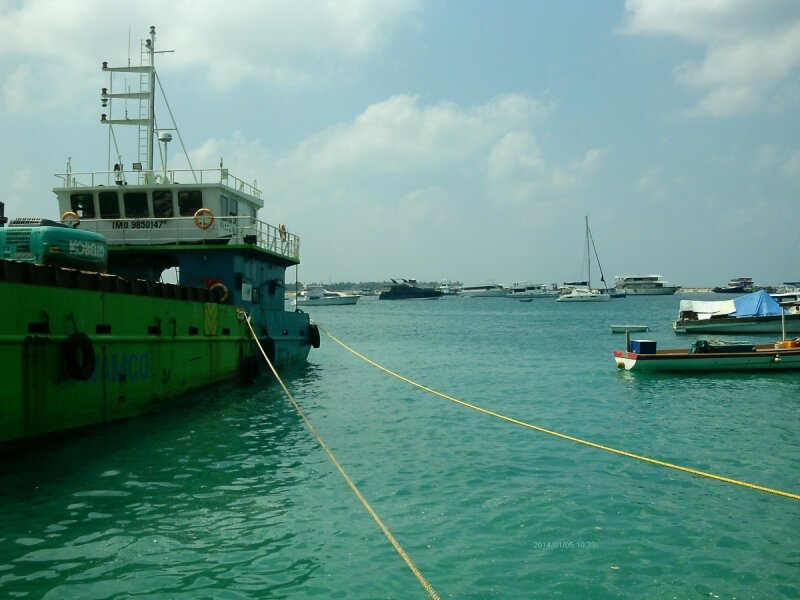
(710, 355)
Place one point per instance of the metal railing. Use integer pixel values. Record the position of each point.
(189, 230)
(183, 176)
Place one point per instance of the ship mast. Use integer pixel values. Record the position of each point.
(145, 120)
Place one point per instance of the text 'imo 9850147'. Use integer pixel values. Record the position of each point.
(96, 334)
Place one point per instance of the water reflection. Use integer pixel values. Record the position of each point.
(201, 496)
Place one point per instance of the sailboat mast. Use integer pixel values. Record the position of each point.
(588, 257)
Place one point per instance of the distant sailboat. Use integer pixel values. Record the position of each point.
(586, 293)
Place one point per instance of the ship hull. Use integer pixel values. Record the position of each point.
(74, 357)
(645, 291)
(762, 324)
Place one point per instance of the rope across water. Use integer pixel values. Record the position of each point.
(396, 544)
(577, 440)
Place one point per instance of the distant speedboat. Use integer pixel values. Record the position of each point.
(408, 289)
(486, 290)
(318, 296)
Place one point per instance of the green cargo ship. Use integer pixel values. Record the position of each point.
(93, 332)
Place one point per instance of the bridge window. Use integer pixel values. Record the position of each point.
(109, 205)
(162, 204)
(82, 205)
(135, 205)
(228, 207)
(189, 201)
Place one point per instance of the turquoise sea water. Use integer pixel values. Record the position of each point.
(229, 496)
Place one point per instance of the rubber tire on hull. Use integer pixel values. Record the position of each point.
(79, 356)
(250, 365)
(314, 333)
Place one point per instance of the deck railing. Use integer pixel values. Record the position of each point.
(184, 176)
(188, 230)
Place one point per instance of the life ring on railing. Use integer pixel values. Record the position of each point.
(203, 218)
(71, 219)
(79, 356)
(220, 286)
(282, 231)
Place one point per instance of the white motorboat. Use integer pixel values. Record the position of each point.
(485, 290)
(584, 292)
(526, 290)
(644, 285)
(318, 296)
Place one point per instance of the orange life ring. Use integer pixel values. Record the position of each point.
(203, 218)
(71, 219)
(221, 286)
(282, 231)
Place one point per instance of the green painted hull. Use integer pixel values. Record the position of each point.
(148, 351)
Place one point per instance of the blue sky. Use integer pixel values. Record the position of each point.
(451, 139)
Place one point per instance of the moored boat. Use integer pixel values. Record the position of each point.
(528, 289)
(707, 355)
(738, 285)
(97, 340)
(319, 296)
(585, 293)
(484, 290)
(644, 285)
(448, 289)
(408, 289)
(752, 313)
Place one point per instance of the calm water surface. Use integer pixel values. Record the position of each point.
(229, 496)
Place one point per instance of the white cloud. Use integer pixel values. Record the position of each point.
(766, 157)
(752, 50)
(518, 172)
(791, 168)
(399, 135)
(272, 42)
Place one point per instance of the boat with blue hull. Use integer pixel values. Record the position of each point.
(97, 333)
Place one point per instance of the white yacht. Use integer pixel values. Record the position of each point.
(486, 290)
(584, 294)
(318, 296)
(644, 285)
(526, 289)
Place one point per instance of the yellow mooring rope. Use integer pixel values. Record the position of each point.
(653, 461)
(403, 554)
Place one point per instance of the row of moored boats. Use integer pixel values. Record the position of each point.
(576, 291)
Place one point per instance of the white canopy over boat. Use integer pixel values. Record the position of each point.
(757, 304)
(705, 309)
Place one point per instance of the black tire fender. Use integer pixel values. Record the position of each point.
(313, 332)
(79, 356)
